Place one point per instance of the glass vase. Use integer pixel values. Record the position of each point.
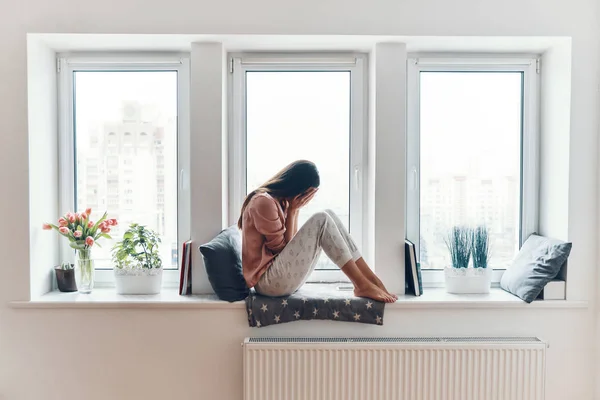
(84, 271)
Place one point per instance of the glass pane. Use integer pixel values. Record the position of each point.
(126, 153)
(301, 115)
(470, 126)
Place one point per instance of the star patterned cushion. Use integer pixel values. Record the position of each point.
(313, 302)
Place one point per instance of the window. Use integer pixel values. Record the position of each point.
(112, 162)
(472, 155)
(288, 108)
(110, 95)
(127, 139)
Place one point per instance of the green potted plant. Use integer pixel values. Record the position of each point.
(465, 244)
(138, 267)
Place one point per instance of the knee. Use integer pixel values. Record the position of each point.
(330, 212)
(320, 217)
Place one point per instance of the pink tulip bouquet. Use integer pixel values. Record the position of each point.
(83, 234)
(80, 230)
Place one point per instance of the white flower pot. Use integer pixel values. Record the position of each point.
(138, 281)
(468, 280)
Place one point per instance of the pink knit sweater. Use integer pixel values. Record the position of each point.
(263, 228)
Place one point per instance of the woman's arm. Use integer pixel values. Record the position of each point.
(294, 206)
(268, 223)
(291, 224)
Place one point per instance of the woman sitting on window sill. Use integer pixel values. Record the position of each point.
(277, 257)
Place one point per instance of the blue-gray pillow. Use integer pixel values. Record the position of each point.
(223, 262)
(536, 264)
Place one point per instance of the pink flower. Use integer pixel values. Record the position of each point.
(88, 211)
(105, 229)
(46, 227)
(77, 216)
(71, 217)
(89, 241)
(77, 234)
(64, 230)
(90, 224)
(63, 222)
(113, 222)
(83, 216)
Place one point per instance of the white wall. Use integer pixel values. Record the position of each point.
(145, 354)
(43, 124)
(206, 104)
(555, 101)
(390, 161)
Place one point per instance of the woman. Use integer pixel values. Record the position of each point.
(277, 257)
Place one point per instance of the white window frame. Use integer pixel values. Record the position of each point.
(69, 63)
(353, 63)
(529, 65)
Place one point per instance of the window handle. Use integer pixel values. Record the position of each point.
(356, 178)
(413, 179)
(182, 184)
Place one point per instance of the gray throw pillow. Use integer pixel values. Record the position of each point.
(223, 262)
(536, 264)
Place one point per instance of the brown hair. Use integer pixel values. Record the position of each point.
(291, 181)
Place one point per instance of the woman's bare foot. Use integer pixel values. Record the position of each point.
(371, 291)
(370, 275)
(377, 282)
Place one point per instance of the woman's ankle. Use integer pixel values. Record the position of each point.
(364, 284)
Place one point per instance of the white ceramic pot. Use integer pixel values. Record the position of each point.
(468, 280)
(138, 281)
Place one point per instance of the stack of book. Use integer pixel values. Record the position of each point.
(185, 277)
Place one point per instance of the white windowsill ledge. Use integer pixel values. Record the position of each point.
(433, 298)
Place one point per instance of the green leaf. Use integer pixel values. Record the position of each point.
(100, 221)
(137, 249)
(77, 246)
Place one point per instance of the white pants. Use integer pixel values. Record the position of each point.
(292, 267)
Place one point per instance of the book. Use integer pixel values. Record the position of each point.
(188, 286)
(412, 270)
(182, 267)
(185, 275)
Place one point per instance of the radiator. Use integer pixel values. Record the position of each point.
(394, 368)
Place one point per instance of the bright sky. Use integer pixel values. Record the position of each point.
(301, 115)
(470, 122)
(100, 95)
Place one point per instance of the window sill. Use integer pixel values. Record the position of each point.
(107, 298)
(437, 298)
(433, 298)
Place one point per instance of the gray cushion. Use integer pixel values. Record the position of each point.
(223, 262)
(537, 263)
